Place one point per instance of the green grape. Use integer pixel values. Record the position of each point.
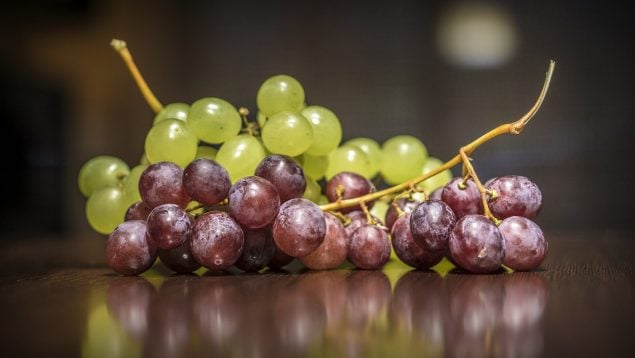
(131, 185)
(144, 160)
(323, 200)
(287, 133)
(313, 190)
(280, 93)
(105, 209)
(402, 159)
(171, 140)
(315, 167)
(379, 209)
(261, 119)
(240, 156)
(372, 150)
(437, 181)
(214, 120)
(101, 172)
(327, 130)
(205, 151)
(173, 111)
(350, 159)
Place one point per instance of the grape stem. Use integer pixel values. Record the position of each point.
(485, 194)
(515, 127)
(122, 49)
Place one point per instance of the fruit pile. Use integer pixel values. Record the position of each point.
(216, 190)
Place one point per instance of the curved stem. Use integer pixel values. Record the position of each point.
(122, 49)
(508, 128)
(481, 189)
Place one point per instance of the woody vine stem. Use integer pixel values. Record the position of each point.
(463, 157)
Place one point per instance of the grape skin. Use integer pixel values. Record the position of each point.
(169, 226)
(138, 211)
(369, 248)
(128, 250)
(524, 243)
(353, 185)
(101, 172)
(285, 174)
(462, 201)
(406, 205)
(258, 250)
(299, 227)
(431, 223)
(206, 181)
(517, 196)
(408, 250)
(179, 259)
(216, 241)
(333, 250)
(253, 202)
(358, 218)
(162, 183)
(476, 244)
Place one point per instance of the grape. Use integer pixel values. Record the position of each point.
(350, 185)
(258, 250)
(406, 205)
(240, 156)
(285, 174)
(408, 250)
(287, 133)
(279, 259)
(379, 210)
(358, 218)
(327, 130)
(172, 111)
(372, 150)
(131, 184)
(524, 243)
(349, 158)
(216, 241)
(476, 244)
(402, 159)
(436, 194)
(517, 196)
(280, 93)
(171, 140)
(438, 181)
(253, 202)
(462, 201)
(138, 211)
(431, 223)
(299, 227)
(162, 183)
(179, 259)
(261, 119)
(369, 248)
(214, 120)
(206, 181)
(312, 191)
(169, 226)
(128, 250)
(315, 167)
(101, 172)
(206, 152)
(105, 209)
(333, 250)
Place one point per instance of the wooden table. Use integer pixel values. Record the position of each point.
(57, 298)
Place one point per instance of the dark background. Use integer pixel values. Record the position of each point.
(65, 96)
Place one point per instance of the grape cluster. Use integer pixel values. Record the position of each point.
(215, 190)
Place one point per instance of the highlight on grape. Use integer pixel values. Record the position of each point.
(217, 190)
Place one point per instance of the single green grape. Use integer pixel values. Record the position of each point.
(287, 133)
(171, 140)
(279, 94)
(214, 120)
(173, 111)
(261, 119)
(403, 157)
(131, 184)
(240, 156)
(348, 158)
(372, 150)
(207, 152)
(327, 130)
(144, 160)
(101, 172)
(315, 167)
(105, 209)
(313, 190)
(437, 181)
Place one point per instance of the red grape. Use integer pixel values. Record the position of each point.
(216, 241)
(369, 248)
(129, 250)
(206, 181)
(407, 249)
(179, 259)
(405, 204)
(524, 243)
(517, 196)
(431, 223)
(352, 185)
(162, 183)
(285, 174)
(462, 201)
(299, 227)
(476, 244)
(137, 211)
(253, 202)
(169, 226)
(333, 250)
(258, 250)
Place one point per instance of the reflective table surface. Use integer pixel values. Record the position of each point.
(57, 298)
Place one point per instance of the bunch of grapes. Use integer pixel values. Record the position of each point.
(216, 190)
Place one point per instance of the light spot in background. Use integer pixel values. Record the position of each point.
(477, 35)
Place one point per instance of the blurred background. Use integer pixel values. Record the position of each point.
(443, 71)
